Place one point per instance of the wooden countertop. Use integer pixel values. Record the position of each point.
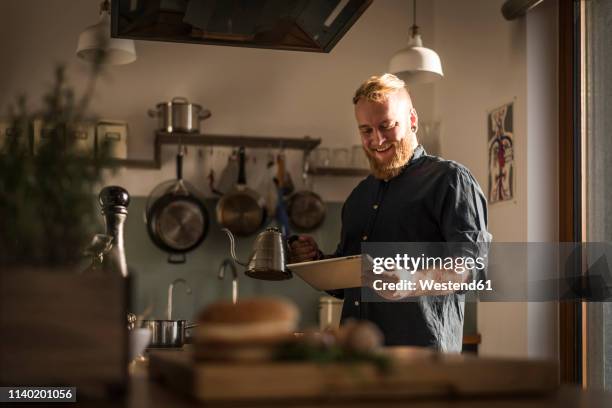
(144, 393)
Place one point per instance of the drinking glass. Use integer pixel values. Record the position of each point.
(340, 157)
(358, 157)
(321, 157)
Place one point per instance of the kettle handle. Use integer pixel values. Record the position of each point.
(233, 246)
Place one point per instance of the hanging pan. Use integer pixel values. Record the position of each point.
(241, 210)
(176, 217)
(306, 209)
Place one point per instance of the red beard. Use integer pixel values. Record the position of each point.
(392, 167)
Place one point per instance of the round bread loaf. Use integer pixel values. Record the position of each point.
(249, 311)
(256, 320)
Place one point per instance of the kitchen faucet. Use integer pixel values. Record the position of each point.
(228, 262)
(171, 289)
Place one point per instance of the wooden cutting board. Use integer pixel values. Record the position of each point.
(414, 373)
(60, 327)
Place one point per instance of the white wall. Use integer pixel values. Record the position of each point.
(542, 153)
(249, 91)
(486, 68)
(492, 63)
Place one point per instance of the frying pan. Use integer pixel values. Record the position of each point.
(177, 221)
(241, 210)
(306, 209)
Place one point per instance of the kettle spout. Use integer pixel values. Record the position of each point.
(233, 246)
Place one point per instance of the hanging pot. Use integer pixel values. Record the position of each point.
(177, 220)
(179, 115)
(241, 210)
(306, 209)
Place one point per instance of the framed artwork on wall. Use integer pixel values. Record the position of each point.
(500, 137)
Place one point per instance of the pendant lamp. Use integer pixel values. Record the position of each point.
(95, 42)
(415, 63)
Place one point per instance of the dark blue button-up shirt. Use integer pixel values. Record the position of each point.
(431, 200)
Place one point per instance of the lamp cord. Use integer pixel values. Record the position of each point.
(415, 28)
(105, 6)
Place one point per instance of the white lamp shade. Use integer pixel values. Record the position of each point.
(416, 64)
(96, 39)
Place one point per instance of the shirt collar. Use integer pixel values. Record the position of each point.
(419, 152)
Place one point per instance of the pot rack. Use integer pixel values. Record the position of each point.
(306, 144)
(338, 171)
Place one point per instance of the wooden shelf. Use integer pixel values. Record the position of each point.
(306, 143)
(137, 163)
(164, 138)
(338, 171)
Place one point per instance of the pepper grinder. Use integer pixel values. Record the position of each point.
(114, 201)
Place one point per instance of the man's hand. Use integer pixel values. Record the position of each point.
(303, 249)
(411, 286)
(387, 277)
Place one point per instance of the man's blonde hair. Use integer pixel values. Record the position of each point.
(378, 88)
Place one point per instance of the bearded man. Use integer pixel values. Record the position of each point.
(409, 196)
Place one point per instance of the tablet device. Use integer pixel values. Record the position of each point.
(329, 274)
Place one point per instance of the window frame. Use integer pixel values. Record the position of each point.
(572, 314)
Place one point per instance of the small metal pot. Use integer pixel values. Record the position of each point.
(167, 333)
(179, 115)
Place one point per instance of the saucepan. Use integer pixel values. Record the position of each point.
(179, 115)
(167, 333)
